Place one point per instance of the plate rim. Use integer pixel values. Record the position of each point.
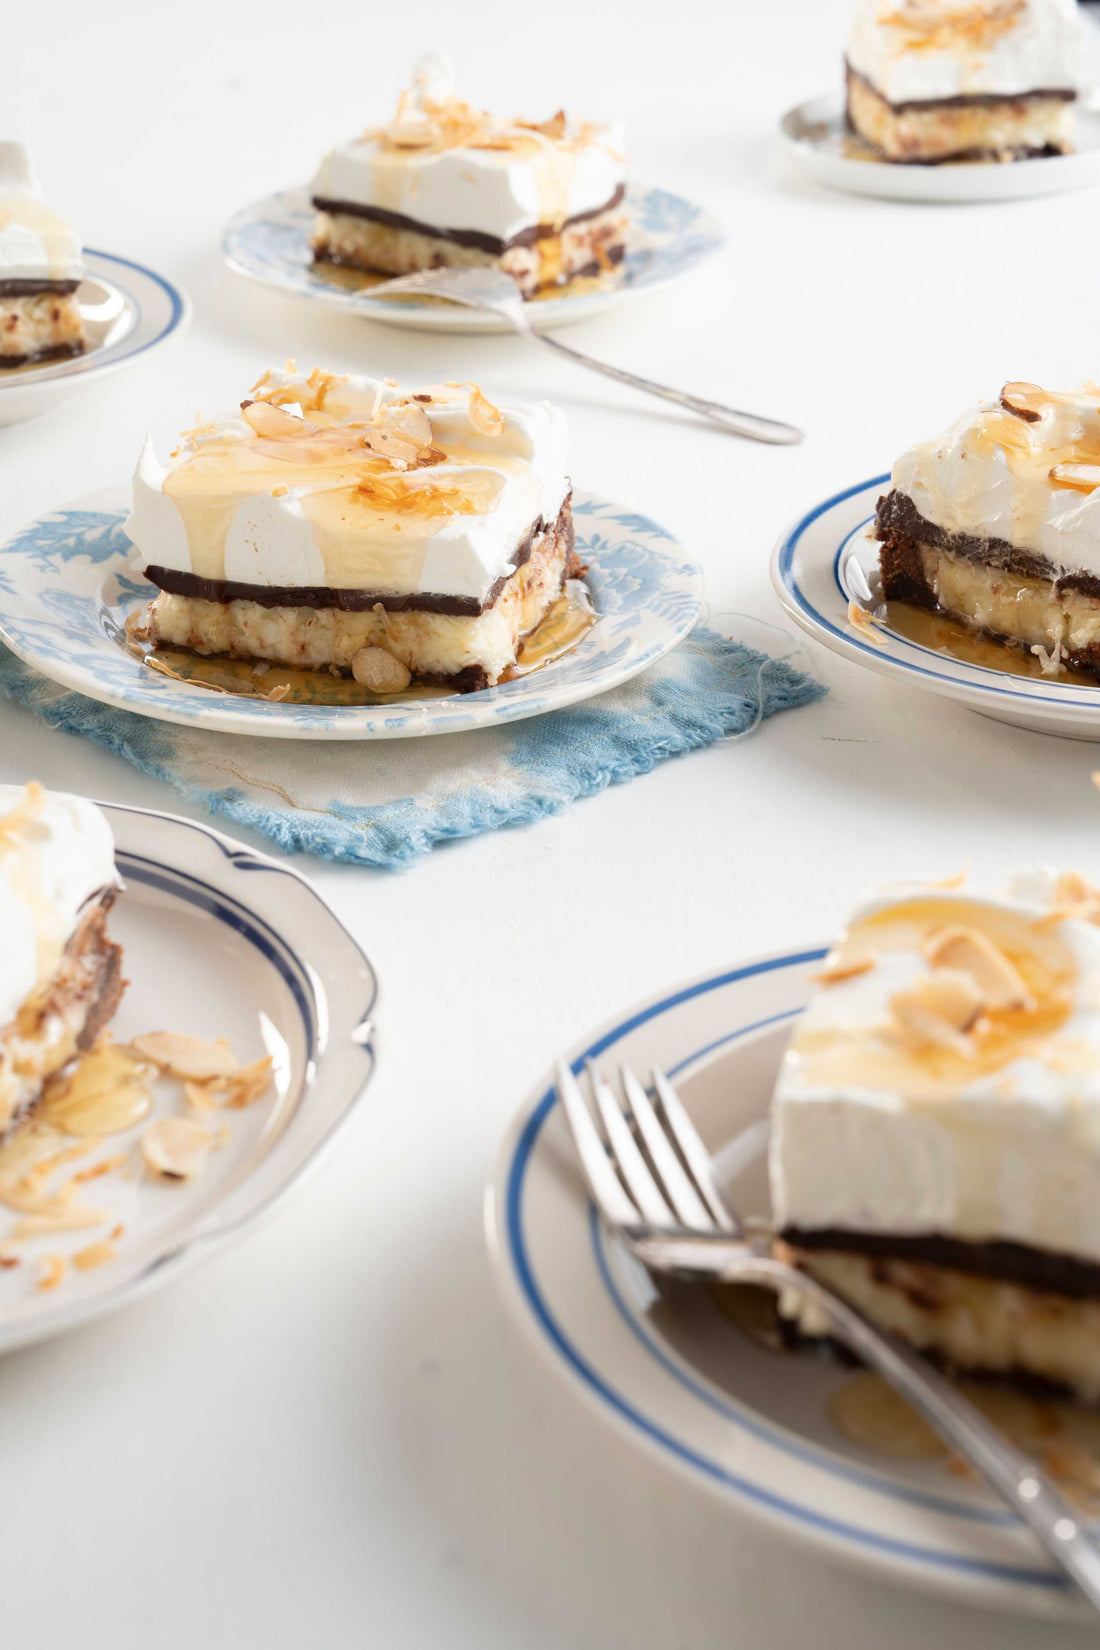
(206, 1237)
(551, 310)
(962, 1575)
(959, 679)
(476, 715)
(86, 368)
(1078, 170)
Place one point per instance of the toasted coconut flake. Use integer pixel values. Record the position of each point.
(837, 967)
(184, 1056)
(249, 1084)
(379, 671)
(938, 1010)
(553, 128)
(1025, 401)
(51, 1271)
(75, 1217)
(278, 692)
(485, 418)
(96, 1254)
(174, 1147)
(201, 1097)
(969, 951)
(865, 623)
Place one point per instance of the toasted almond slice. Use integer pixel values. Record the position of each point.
(970, 952)
(272, 422)
(174, 1147)
(378, 670)
(410, 421)
(201, 1097)
(1074, 889)
(939, 1009)
(1083, 478)
(1026, 401)
(75, 1218)
(836, 968)
(184, 1056)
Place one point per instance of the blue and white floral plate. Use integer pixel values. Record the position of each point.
(750, 1425)
(826, 559)
(128, 310)
(68, 583)
(269, 242)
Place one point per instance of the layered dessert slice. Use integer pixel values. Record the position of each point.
(448, 186)
(60, 973)
(348, 524)
(935, 1152)
(40, 270)
(963, 80)
(996, 523)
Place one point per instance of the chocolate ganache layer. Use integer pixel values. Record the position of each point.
(26, 287)
(466, 237)
(967, 100)
(899, 525)
(1000, 1259)
(177, 583)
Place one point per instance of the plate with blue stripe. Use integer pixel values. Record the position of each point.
(692, 1380)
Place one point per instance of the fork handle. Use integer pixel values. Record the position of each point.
(738, 423)
(1047, 1513)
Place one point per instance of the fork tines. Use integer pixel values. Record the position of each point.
(648, 1168)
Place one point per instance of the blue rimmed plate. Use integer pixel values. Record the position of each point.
(68, 584)
(218, 941)
(269, 242)
(826, 559)
(749, 1424)
(128, 311)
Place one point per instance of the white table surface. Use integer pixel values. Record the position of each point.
(332, 1436)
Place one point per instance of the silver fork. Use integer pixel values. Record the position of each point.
(652, 1182)
(491, 289)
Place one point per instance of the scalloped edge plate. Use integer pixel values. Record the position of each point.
(268, 242)
(68, 583)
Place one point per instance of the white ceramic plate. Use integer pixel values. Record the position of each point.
(749, 1425)
(68, 583)
(128, 311)
(813, 134)
(826, 557)
(219, 941)
(269, 242)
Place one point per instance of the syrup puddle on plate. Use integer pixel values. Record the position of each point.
(361, 280)
(565, 623)
(1063, 1437)
(943, 635)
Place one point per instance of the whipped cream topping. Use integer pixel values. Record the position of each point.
(1031, 477)
(444, 164)
(56, 853)
(438, 505)
(35, 244)
(885, 1122)
(911, 50)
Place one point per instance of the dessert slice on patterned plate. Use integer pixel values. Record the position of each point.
(348, 524)
(447, 185)
(935, 1151)
(40, 270)
(60, 973)
(963, 80)
(997, 523)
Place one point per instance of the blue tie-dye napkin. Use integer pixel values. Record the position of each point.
(384, 803)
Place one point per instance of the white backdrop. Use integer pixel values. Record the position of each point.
(331, 1437)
